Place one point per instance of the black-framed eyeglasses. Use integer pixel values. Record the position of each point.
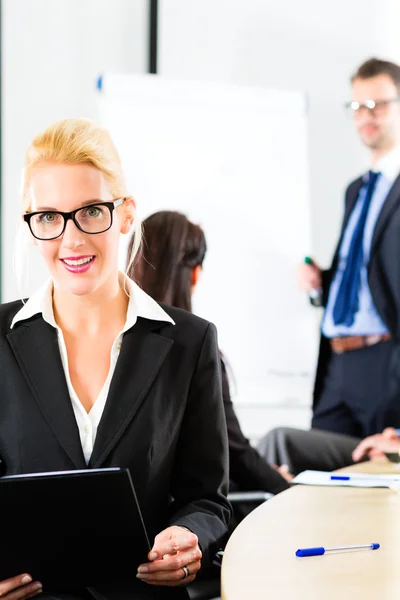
(376, 107)
(92, 218)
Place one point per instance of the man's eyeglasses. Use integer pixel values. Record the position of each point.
(93, 218)
(375, 107)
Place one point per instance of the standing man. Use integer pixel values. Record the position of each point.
(357, 389)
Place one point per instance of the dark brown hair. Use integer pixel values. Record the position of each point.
(375, 66)
(172, 246)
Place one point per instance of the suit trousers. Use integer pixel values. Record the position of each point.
(313, 449)
(355, 392)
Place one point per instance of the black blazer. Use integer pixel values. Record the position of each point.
(163, 420)
(384, 282)
(249, 471)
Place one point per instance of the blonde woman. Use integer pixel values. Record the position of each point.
(97, 374)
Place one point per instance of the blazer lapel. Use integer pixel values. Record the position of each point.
(36, 350)
(350, 203)
(351, 200)
(143, 351)
(390, 205)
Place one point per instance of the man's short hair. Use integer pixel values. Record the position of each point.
(375, 66)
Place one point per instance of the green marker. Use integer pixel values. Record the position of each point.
(314, 294)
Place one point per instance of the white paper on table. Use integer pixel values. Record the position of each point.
(363, 480)
(395, 486)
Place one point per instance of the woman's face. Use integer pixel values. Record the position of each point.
(79, 263)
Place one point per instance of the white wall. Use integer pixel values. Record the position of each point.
(53, 51)
(388, 24)
(298, 44)
(305, 45)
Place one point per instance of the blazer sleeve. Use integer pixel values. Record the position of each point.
(200, 474)
(326, 282)
(249, 471)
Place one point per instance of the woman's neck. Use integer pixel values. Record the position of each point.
(92, 313)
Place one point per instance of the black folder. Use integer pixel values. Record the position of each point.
(71, 528)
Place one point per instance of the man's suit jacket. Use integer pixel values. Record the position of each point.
(384, 283)
(163, 420)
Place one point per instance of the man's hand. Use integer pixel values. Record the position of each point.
(376, 445)
(390, 433)
(309, 277)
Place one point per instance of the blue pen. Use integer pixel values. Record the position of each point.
(318, 551)
(382, 480)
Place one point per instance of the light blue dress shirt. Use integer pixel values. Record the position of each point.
(367, 320)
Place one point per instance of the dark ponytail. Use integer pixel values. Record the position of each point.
(172, 246)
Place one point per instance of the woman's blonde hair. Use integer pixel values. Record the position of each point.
(76, 141)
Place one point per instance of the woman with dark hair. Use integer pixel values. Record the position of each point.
(169, 265)
(168, 269)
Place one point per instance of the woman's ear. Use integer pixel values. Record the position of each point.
(195, 275)
(128, 215)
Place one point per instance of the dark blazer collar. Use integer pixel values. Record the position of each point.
(389, 206)
(36, 350)
(352, 196)
(391, 203)
(351, 199)
(35, 346)
(142, 354)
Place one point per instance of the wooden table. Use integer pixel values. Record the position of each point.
(260, 563)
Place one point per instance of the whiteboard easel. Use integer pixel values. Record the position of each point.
(234, 160)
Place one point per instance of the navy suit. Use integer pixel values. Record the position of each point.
(373, 372)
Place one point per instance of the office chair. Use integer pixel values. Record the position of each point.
(209, 587)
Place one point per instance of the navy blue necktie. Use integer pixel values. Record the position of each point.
(347, 301)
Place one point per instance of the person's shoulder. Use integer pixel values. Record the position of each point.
(354, 184)
(352, 191)
(189, 328)
(8, 310)
(185, 319)
(190, 333)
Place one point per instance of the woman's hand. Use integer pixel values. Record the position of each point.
(174, 559)
(20, 587)
(286, 474)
